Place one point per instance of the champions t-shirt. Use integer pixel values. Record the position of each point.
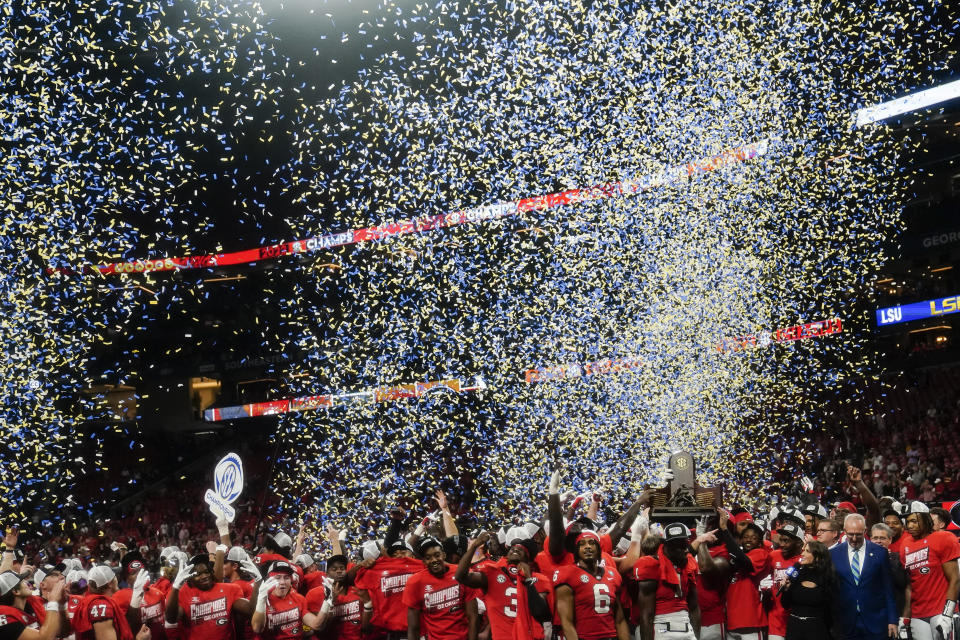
(152, 612)
(442, 603)
(345, 620)
(593, 599)
(671, 598)
(923, 560)
(284, 617)
(206, 614)
(500, 597)
(384, 582)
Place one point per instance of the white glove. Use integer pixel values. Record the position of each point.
(223, 527)
(555, 483)
(942, 627)
(665, 478)
(248, 566)
(807, 484)
(139, 584)
(183, 574)
(766, 584)
(264, 593)
(701, 526)
(343, 535)
(639, 527)
(422, 527)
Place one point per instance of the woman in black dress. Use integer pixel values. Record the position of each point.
(807, 595)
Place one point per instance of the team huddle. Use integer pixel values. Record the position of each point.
(808, 574)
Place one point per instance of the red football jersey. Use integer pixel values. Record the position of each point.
(384, 583)
(777, 617)
(96, 608)
(671, 598)
(923, 560)
(206, 614)
(500, 598)
(73, 603)
(442, 603)
(744, 609)
(593, 599)
(712, 596)
(284, 617)
(345, 621)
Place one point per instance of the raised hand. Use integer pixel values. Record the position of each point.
(854, 474)
(11, 537)
(441, 500)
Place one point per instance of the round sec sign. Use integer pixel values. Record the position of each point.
(228, 478)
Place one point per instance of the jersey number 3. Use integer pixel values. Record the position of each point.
(601, 598)
(510, 609)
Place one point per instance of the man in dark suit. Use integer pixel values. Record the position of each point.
(864, 592)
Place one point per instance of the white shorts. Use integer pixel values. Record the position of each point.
(673, 626)
(713, 632)
(750, 635)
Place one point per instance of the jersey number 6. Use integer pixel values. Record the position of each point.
(601, 598)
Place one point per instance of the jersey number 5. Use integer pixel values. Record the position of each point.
(601, 598)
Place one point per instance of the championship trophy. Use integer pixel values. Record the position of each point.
(683, 500)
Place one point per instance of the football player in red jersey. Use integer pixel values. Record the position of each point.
(667, 584)
(713, 578)
(21, 619)
(203, 606)
(930, 558)
(439, 607)
(380, 584)
(790, 538)
(746, 618)
(131, 564)
(339, 606)
(146, 606)
(500, 583)
(281, 612)
(76, 582)
(587, 594)
(99, 617)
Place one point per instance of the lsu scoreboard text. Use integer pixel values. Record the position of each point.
(918, 311)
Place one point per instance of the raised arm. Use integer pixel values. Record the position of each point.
(301, 536)
(866, 496)
(555, 518)
(449, 524)
(333, 535)
(172, 612)
(9, 552)
(469, 578)
(629, 517)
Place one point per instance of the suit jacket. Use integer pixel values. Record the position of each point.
(868, 606)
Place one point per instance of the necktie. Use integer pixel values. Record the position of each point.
(855, 566)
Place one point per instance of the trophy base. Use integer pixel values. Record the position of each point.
(686, 515)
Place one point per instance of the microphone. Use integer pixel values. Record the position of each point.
(791, 572)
